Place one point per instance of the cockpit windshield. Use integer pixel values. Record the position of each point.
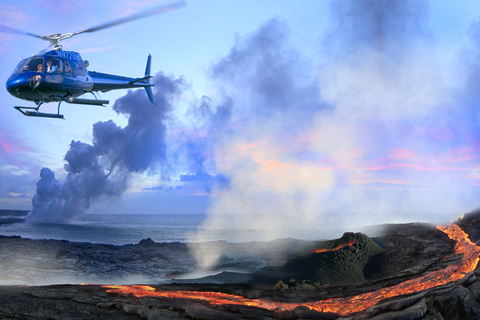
(35, 64)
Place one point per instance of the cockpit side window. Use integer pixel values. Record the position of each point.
(54, 66)
(36, 65)
(77, 70)
(30, 65)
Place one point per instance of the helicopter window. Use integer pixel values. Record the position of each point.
(76, 69)
(54, 65)
(35, 65)
(32, 65)
(54, 78)
(67, 67)
(19, 67)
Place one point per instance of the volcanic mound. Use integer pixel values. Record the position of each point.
(344, 261)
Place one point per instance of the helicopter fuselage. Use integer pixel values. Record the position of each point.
(54, 76)
(62, 76)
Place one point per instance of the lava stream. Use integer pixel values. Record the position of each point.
(341, 306)
(350, 243)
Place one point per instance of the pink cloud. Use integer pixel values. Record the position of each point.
(9, 16)
(402, 153)
(12, 146)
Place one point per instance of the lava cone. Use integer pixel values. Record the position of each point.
(346, 261)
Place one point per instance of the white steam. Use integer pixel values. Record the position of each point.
(375, 135)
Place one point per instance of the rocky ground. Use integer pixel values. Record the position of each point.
(37, 262)
(284, 271)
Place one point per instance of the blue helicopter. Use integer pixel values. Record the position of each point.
(62, 76)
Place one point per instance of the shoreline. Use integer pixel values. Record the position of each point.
(411, 250)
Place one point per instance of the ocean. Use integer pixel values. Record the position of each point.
(120, 229)
(116, 229)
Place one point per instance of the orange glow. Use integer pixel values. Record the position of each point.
(341, 306)
(340, 246)
(274, 165)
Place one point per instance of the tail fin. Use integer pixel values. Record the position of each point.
(147, 74)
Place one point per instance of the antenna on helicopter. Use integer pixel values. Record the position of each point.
(55, 38)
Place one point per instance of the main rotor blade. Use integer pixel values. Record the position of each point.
(6, 29)
(151, 12)
(44, 50)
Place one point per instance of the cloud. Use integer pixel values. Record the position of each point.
(163, 188)
(198, 176)
(16, 166)
(16, 186)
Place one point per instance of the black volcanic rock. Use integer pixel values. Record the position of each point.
(344, 266)
(25, 261)
(470, 223)
(43, 262)
(411, 250)
(146, 242)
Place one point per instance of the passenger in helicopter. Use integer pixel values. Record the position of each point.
(51, 68)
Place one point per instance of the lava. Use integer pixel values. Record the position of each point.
(340, 246)
(341, 306)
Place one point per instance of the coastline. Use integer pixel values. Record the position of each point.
(411, 250)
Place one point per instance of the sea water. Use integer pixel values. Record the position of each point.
(120, 229)
(112, 228)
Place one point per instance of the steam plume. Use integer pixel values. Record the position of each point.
(102, 169)
(375, 134)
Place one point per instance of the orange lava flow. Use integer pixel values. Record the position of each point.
(337, 247)
(341, 306)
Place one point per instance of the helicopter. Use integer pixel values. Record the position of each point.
(62, 76)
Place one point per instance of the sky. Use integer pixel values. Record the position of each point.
(332, 113)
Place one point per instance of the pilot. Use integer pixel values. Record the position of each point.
(51, 68)
(40, 67)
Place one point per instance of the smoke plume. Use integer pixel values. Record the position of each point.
(375, 131)
(102, 169)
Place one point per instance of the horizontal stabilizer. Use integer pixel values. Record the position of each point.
(140, 80)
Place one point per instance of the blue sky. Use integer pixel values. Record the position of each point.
(310, 111)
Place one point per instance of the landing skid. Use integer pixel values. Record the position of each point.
(26, 111)
(33, 111)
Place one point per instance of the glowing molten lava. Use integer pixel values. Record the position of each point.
(340, 246)
(341, 306)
